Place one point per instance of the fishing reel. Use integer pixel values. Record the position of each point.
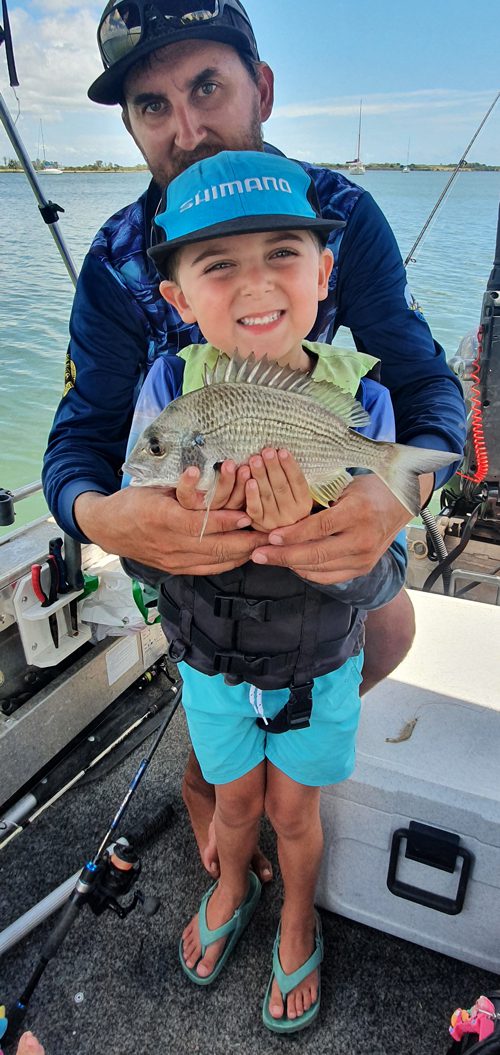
(116, 874)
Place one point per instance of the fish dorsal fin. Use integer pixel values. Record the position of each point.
(326, 493)
(254, 371)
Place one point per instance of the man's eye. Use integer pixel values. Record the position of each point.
(208, 88)
(283, 253)
(153, 108)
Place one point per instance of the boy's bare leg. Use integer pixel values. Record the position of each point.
(293, 810)
(238, 811)
(29, 1045)
(389, 636)
(199, 798)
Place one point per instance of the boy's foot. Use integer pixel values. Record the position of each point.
(29, 1045)
(219, 910)
(293, 1007)
(210, 937)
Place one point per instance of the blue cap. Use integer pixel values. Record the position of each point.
(236, 192)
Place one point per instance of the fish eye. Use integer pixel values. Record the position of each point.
(198, 440)
(156, 448)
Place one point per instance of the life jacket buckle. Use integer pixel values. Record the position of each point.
(299, 705)
(296, 714)
(232, 606)
(236, 663)
(176, 650)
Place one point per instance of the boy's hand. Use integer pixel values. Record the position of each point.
(278, 493)
(230, 492)
(343, 541)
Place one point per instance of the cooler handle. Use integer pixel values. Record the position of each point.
(438, 849)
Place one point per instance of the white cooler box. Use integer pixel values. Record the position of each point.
(412, 840)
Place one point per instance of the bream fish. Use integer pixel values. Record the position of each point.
(246, 405)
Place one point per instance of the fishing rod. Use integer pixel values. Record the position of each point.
(104, 879)
(49, 210)
(410, 259)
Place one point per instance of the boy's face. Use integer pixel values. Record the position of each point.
(253, 292)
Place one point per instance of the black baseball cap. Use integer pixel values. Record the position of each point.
(131, 29)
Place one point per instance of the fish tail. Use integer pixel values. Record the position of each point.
(401, 470)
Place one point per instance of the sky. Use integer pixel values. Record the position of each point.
(426, 73)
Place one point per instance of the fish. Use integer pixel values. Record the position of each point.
(247, 405)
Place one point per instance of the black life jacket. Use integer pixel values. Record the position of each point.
(264, 626)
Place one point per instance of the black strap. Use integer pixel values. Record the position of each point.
(229, 662)
(296, 714)
(234, 606)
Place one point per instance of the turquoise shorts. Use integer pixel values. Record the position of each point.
(228, 742)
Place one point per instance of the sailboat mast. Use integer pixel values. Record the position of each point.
(358, 155)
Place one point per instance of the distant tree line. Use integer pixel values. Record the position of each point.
(12, 164)
(472, 166)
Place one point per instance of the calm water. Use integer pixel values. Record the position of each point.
(448, 280)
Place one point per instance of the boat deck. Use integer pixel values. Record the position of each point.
(116, 987)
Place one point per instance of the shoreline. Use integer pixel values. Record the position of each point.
(374, 167)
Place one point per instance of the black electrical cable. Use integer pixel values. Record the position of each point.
(444, 564)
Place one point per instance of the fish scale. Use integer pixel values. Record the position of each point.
(247, 405)
(254, 418)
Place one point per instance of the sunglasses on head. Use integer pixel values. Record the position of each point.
(125, 24)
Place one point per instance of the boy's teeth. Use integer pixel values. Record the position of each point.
(260, 320)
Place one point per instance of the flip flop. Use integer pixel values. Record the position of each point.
(287, 982)
(232, 930)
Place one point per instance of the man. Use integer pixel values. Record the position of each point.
(190, 84)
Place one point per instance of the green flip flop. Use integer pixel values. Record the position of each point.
(287, 982)
(232, 930)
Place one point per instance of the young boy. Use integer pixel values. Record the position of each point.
(242, 247)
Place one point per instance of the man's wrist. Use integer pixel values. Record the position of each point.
(84, 511)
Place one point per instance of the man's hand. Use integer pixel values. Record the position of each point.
(148, 524)
(343, 541)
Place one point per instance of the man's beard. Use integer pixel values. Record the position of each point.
(180, 160)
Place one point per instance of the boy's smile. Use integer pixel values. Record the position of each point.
(255, 292)
(262, 322)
